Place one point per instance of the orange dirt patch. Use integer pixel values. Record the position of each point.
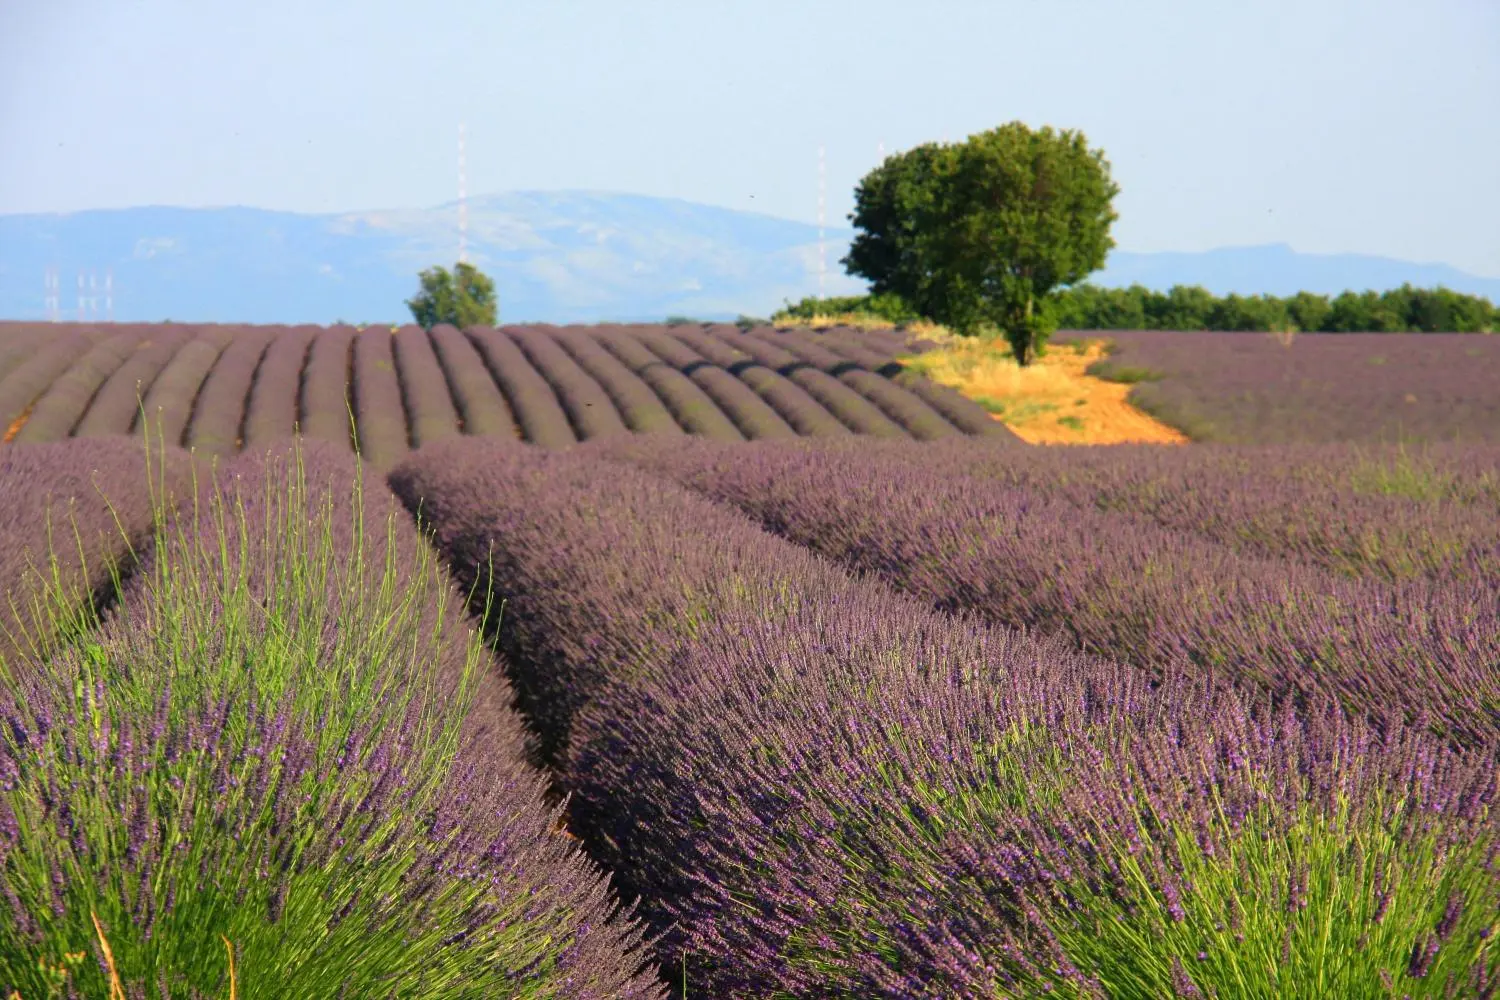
(1051, 401)
(17, 424)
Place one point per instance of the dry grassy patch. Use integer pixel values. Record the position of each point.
(1050, 402)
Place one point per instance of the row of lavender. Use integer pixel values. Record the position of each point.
(218, 389)
(283, 733)
(1255, 388)
(819, 787)
(1383, 512)
(1118, 585)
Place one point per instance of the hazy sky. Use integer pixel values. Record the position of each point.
(1367, 126)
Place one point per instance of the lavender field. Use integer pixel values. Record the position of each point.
(1257, 388)
(769, 670)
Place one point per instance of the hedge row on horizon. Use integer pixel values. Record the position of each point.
(1191, 307)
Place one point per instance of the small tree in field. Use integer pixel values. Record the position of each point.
(981, 233)
(464, 297)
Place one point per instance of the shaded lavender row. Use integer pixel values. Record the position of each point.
(169, 403)
(739, 400)
(26, 382)
(1380, 514)
(379, 410)
(271, 410)
(62, 406)
(119, 402)
(95, 498)
(482, 408)
(219, 412)
(799, 394)
(590, 411)
(694, 410)
(537, 411)
(429, 403)
(492, 827)
(19, 340)
(1368, 387)
(962, 412)
(324, 407)
(1116, 584)
(796, 353)
(638, 405)
(820, 788)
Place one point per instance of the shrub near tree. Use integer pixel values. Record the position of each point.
(981, 233)
(463, 297)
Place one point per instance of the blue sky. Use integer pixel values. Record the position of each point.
(1369, 126)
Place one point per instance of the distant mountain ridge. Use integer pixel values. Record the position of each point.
(556, 256)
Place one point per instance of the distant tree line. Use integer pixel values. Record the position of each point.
(1190, 307)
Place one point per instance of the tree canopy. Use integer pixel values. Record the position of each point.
(463, 297)
(980, 233)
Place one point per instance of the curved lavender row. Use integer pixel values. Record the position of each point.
(379, 412)
(803, 404)
(19, 341)
(271, 411)
(590, 410)
(481, 407)
(29, 379)
(638, 405)
(1118, 586)
(115, 407)
(1247, 388)
(822, 789)
(323, 403)
(692, 408)
(538, 413)
(1313, 504)
(536, 915)
(752, 416)
(433, 415)
(962, 412)
(169, 403)
(97, 498)
(219, 412)
(63, 404)
(902, 406)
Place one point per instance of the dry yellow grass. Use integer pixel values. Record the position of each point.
(1051, 401)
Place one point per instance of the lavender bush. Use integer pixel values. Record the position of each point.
(262, 746)
(820, 788)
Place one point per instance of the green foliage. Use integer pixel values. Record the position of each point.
(463, 297)
(888, 306)
(1404, 309)
(682, 321)
(746, 322)
(977, 235)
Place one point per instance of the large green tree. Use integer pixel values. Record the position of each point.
(980, 233)
(462, 297)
